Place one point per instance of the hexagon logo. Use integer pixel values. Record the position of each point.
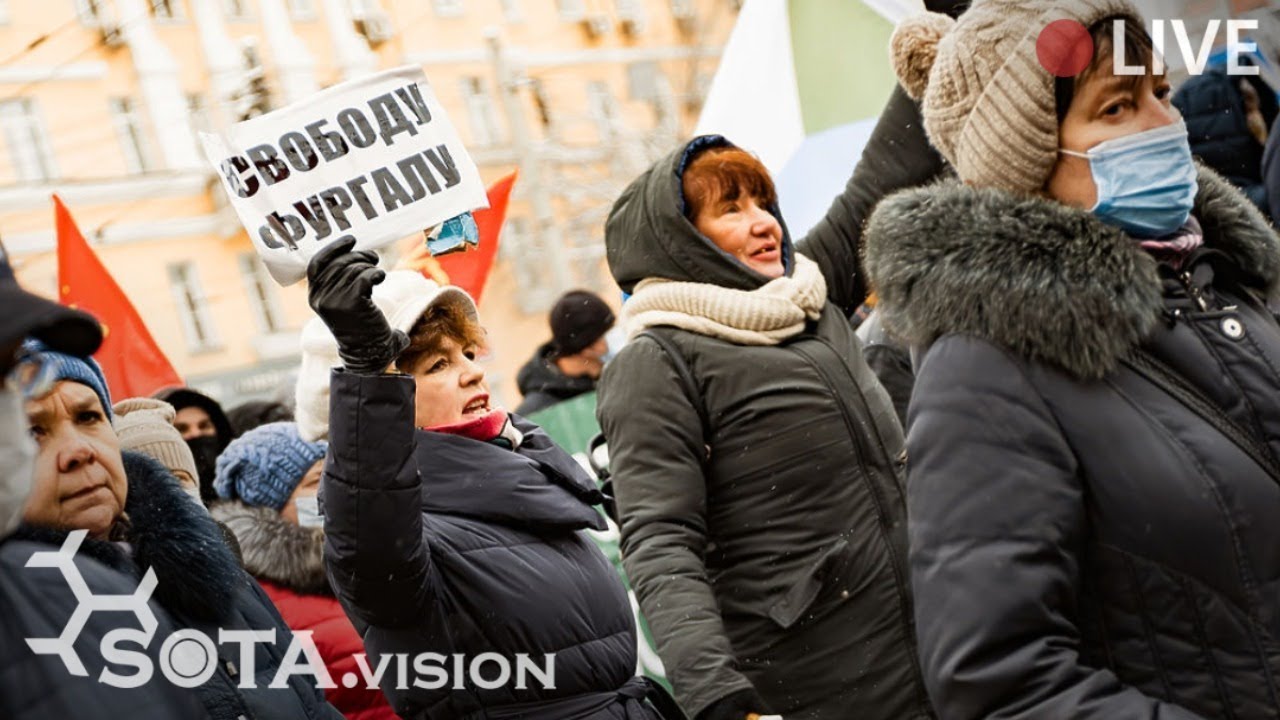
(87, 603)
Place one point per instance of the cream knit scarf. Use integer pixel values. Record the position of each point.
(764, 316)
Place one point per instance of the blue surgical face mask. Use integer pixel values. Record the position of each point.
(1146, 181)
(615, 339)
(308, 508)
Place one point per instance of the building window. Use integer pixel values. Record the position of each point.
(512, 12)
(262, 294)
(89, 12)
(25, 136)
(166, 9)
(642, 80)
(480, 112)
(631, 15)
(302, 9)
(447, 8)
(572, 10)
(236, 9)
(542, 102)
(361, 9)
(198, 111)
(133, 140)
(193, 307)
(201, 121)
(683, 9)
(604, 109)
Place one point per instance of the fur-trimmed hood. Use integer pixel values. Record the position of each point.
(198, 577)
(275, 549)
(1049, 282)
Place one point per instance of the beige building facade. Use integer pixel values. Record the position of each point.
(101, 100)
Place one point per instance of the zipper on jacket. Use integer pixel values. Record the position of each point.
(1193, 291)
(900, 582)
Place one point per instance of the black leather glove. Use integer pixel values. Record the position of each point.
(340, 290)
(735, 706)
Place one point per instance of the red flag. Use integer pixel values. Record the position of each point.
(469, 269)
(130, 359)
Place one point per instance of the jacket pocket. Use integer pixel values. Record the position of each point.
(799, 598)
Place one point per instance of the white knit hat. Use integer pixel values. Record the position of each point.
(402, 297)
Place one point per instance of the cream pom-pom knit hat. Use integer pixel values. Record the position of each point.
(987, 101)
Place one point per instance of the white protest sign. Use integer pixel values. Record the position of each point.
(376, 158)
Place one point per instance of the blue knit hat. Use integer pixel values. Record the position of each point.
(83, 370)
(264, 466)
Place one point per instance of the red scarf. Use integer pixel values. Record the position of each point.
(483, 428)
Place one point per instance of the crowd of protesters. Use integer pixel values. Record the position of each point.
(1040, 480)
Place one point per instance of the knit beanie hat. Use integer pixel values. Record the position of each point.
(83, 370)
(402, 297)
(145, 425)
(578, 319)
(264, 466)
(987, 101)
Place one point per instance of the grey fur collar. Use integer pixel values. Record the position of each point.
(1047, 282)
(275, 549)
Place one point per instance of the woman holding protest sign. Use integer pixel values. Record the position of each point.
(1093, 483)
(453, 530)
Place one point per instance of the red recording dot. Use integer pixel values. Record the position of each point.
(1064, 48)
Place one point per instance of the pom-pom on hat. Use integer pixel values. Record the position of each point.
(987, 98)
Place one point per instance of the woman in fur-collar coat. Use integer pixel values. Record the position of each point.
(287, 561)
(1093, 436)
(268, 478)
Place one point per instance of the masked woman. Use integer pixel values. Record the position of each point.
(453, 530)
(268, 479)
(1093, 434)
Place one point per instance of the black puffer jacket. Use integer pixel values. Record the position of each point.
(202, 587)
(1212, 105)
(439, 543)
(543, 385)
(779, 562)
(1083, 543)
(37, 602)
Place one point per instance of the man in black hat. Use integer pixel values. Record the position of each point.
(38, 601)
(570, 364)
(204, 427)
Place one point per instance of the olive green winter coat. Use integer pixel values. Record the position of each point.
(779, 561)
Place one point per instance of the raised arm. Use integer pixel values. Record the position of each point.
(374, 547)
(373, 543)
(898, 156)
